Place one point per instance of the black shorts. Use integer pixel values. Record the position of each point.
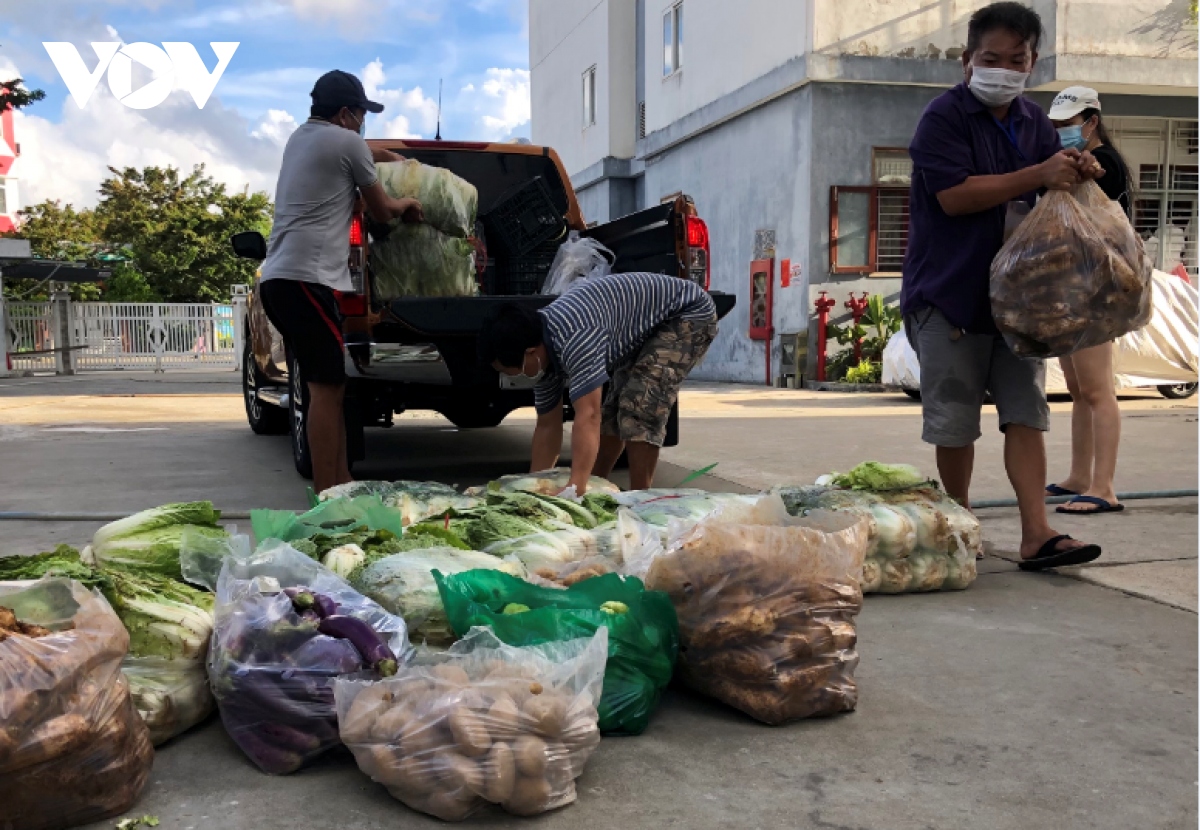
(307, 315)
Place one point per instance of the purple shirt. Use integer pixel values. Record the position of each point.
(949, 257)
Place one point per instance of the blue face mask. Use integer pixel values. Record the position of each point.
(1072, 137)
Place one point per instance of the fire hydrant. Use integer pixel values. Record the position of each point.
(824, 305)
(857, 309)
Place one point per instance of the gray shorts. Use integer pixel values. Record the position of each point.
(957, 370)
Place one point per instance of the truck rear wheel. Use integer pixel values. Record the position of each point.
(264, 419)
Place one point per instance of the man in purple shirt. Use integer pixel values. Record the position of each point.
(981, 154)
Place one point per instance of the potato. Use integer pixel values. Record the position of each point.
(582, 734)
(450, 673)
(367, 706)
(421, 736)
(52, 739)
(529, 752)
(547, 714)
(500, 773)
(503, 719)
(390, 723)
(379, 761)
(461, 775)
(471, 735)
(417, 774)
(449, 806)
(530, 796)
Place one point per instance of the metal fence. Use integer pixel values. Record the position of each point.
(157, 336)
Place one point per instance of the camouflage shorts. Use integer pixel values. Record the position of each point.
(644, 390)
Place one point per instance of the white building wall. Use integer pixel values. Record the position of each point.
(566, 37)
(726, 45)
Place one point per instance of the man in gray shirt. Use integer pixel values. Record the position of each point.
(326, 166)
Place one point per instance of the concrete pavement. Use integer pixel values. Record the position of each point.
(1029, 700)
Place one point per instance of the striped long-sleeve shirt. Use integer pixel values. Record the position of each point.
(602, 322)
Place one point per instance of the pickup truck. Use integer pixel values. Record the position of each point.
(420, 353)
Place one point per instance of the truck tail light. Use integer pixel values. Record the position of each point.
(357, 258)
(351, 305)
(698, 251)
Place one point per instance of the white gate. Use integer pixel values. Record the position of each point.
(154, 336)
(30, 337)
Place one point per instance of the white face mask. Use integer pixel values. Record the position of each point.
(997, 87)
(541, 372)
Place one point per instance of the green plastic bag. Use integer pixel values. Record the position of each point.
(329, 516)
(643, 632)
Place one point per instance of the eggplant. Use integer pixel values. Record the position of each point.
(325, 606)
(288, 737)
(326, 654)
(370, 645)
(269, 758)
(302, 599)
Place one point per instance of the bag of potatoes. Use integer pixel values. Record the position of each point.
(73, 748)
(480, 723)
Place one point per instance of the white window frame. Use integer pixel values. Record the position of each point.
(589, 97)
(672, 40)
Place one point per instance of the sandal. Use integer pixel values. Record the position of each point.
(1049, 556)
(1102, 506)
(1055, 490)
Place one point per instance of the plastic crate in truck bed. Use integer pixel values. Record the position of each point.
(524, 218)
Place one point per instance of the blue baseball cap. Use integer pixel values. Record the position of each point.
(341, 89)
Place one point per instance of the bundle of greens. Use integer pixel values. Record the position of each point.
(150, 540)
(547, 482)
(448, 201)
(420, 261)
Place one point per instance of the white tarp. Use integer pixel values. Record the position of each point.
(1167, 351)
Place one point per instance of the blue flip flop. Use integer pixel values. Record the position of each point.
(1055, 490)
(1102, 506)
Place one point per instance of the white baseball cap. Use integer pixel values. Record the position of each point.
(1072, 101)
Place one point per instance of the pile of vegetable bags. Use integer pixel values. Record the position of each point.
(135, 564)
(483, 723)
(920, 538)
(435, 258)
(285, 628)
(416, 500)
(338, 532)
(643, 632)
(72, 747)
(766, 612)
(547, 483)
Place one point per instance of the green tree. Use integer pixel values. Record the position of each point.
(14, 94)
(177, 230)
(58, 232)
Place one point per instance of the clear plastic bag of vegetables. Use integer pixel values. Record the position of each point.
(547, 482)
(667, 506)
(285, 627)
(73, 749)
(449, 202)
(172, 696)
(420, 261)
(643, 633)
(1072, 276)
(481, 723)
(766, 613)
(331, 517)
(416, 500)
(403, 583)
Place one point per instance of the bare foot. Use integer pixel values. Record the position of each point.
(1030, 548)
(1089, 507)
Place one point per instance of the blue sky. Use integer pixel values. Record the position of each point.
(400, 48)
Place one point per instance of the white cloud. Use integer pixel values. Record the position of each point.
(276, 127)
(67, 160)
(502, 102)
(406, 114)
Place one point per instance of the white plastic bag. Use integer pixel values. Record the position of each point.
(577, 259)
(483, 722)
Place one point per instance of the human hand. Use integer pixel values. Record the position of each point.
(1089, 167)
(410, 211)
(1061, 170)
(380, 155)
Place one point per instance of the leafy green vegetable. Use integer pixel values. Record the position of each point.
(343, 559)
(155, 550)
(169, 515)
(601, 505)
(419, 261)
(63, 561)
(448, 201)
(614, 607)
(515, 608)
(164, 617)
(876, 476)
